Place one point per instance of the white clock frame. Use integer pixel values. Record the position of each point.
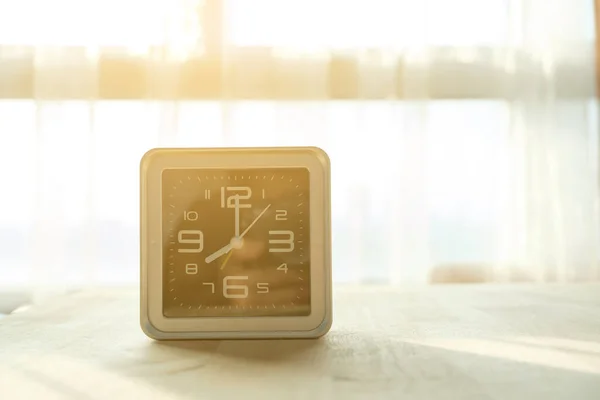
(155, 324)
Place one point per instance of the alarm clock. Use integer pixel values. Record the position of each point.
(235, 243)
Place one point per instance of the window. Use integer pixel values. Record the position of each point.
(449, 125)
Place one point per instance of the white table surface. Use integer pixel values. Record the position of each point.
(445, 342)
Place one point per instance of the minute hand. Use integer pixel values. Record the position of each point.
(227, 248)
(255, 220)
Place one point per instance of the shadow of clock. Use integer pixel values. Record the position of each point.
(257, 350)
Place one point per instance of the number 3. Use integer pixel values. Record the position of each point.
(289, 242)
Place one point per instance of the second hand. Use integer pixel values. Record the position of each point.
(226, 259)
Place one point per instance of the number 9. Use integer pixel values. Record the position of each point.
(194, 237)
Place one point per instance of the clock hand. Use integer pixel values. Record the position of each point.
(228, 247)
(226, 259)
(237, 215)
(255, 221)
(218, 253)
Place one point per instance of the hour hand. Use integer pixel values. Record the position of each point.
(223, 250)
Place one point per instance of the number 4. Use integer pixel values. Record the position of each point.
(283, 267)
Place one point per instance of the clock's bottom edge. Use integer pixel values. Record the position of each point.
(157, 334)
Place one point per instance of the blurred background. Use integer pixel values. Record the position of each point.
(463, 134)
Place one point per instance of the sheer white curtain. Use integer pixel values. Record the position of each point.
(463, 135)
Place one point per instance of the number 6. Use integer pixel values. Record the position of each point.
(227, 287)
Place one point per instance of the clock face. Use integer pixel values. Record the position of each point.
(236, 242)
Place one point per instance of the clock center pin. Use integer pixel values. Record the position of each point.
(236, 242)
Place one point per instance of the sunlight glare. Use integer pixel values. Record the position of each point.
(546, 357)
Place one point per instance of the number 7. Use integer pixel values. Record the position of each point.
(212, 286)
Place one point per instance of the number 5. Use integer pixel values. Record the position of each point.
(289, 242)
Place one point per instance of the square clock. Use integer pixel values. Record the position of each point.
(235, 243)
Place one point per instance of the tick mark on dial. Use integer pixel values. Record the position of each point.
(171, 205)
(299, 204)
